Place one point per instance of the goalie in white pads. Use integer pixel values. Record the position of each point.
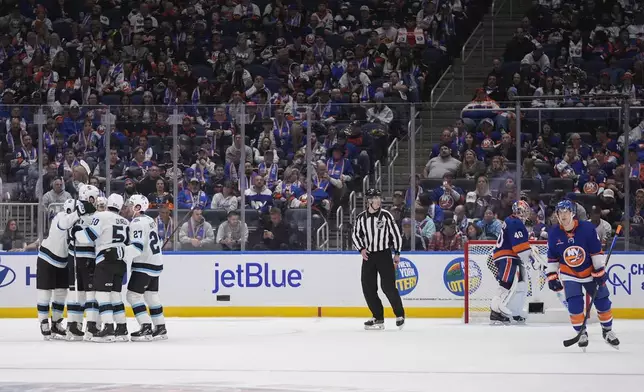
(512, 254)
(110, 234)
(52, 278)
(81, 262)
(144, 251)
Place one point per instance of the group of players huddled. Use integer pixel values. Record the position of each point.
(87, 251)
(575, 263)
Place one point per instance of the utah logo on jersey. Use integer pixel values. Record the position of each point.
(574, 256)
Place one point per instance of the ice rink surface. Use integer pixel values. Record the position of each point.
(325, 355)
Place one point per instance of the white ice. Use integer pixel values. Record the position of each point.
(329, 355)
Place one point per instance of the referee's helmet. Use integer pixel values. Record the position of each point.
(372, 192)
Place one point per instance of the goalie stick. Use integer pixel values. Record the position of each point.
(570, 342)
(544, 264)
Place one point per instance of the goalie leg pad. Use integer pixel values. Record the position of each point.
(500, 301)
(156, 309)
(517, 298)
(44, 298)
(138, 307)
(75, 308)
(58, 304)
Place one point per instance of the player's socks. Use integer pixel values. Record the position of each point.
(583, 341)
(144, 334)
(498, 318)
(121, 334)
(610, 338)
(160, 333)
(44, 298)
(400, 322)
(74, 333)
(374, 324)
(44, 329)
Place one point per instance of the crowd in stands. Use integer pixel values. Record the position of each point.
(120, 70)
(577, 55)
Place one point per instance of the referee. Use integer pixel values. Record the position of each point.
(375, 235)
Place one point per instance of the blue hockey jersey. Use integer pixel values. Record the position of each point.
(571, 253)
(512, 240)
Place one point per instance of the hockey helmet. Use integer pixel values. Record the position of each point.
(101, 203)
(69, 206)
(115, 201)
(522, 209)
(372, 192)
(565, 206)
(88, 193)
(139, 200)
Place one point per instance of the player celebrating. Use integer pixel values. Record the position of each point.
(81, 263)
(144, 251)
(575, 255)
(52, 279)
(110, 234)
(511, 253)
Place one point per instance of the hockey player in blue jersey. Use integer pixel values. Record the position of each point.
(512, 253)
(576, 263)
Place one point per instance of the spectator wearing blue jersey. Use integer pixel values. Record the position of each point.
(259, 197)
(193, 196)
(448, 195)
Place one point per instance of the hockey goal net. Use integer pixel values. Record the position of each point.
(542, 305)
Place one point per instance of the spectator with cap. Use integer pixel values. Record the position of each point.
(398, 208)
(611, 211)
(446, 239)
(197, 232)
(408, 236)
(232, 233)
(226, 199)
(193, 196)
(604, 229)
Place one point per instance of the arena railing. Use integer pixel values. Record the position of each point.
(353, 207)
(465, 54)
(392, 154)
(339, 227)
(497, 7)
(448, 76)
(322, 237)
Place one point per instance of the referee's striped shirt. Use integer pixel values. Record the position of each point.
(376, 232)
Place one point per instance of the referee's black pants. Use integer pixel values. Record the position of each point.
(380, 263)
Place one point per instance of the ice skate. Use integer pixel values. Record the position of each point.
(74, 334)
(142, 335)
(497, 318)
(610, 338)
(121, 334)
(374, 325)
(520, 320)
(57, 330)
(106, 335)
(91, 330)
(44, 330)
(400, 322)
(160, 333)
(583, 341)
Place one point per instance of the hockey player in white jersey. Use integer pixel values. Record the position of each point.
(110, 234)
(52, 278)
(144, 251)
(81, 263)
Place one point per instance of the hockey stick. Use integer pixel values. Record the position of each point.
(544, 265)
(184, 220)
(570, 342)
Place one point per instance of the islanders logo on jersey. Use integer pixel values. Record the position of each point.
(454, 276)
(406, 276)
(574, 256)
(446, 202)
(591, 188)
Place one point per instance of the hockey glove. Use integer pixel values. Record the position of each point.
(600, 276)
(554, 283)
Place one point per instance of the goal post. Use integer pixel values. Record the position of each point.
(480, 271)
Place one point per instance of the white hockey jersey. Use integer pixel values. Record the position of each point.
(81, 246)
(144, 250)
(54, 248)
(107, 230)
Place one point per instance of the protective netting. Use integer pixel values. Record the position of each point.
(482, 285)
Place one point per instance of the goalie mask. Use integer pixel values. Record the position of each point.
(522, 210)
(565, 213)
